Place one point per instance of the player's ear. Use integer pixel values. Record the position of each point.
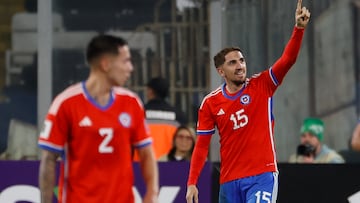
(104, 63)
(220, 71)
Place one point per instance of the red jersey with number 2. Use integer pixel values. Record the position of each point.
(95, 143)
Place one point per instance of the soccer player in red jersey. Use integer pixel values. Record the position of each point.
(241, 109)
(93, 126)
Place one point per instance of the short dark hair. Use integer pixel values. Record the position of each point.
(219, 58)
(103, 44)
(160, 86)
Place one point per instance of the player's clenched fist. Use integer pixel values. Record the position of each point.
(302, 15)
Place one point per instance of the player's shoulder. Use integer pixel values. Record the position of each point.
(122, 91)
(70, 92)
(214, 93)
(258, 75)
(258, 78)
(125, 92)
(212, 96)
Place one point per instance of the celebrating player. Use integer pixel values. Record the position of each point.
(93, 126)
(241, 109)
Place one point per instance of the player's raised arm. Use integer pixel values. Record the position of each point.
(302, 15)
(288, 58)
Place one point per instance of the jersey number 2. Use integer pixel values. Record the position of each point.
(108, 134)
(239, 119)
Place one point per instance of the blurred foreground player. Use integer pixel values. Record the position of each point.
(93, 126)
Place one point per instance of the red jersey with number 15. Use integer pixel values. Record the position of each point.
(245, 124)
(95, 143)
(244, 121)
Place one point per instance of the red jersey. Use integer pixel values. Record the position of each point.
(245, 122)
(95, 143)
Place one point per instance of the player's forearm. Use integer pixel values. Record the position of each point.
(198, 158)
(150, 174)
(149, 171)
(47, 175)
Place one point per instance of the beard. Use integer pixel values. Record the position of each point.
(238, 82)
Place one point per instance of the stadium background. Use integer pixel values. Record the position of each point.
(42, 43)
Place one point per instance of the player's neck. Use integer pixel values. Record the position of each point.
(99, 89)
(233, 88)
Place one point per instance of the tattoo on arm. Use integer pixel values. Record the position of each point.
(47, 175)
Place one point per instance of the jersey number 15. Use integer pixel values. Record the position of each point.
(239, 119)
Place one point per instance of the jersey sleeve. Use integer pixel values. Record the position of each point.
(206, 122)
(141, 132)
(55, 129)
(205, 129)
(198, 159)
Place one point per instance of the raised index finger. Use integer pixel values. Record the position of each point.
(299, 4)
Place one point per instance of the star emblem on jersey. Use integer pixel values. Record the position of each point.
(85, 122)
(245, 99)
(125, 119)
(221, 112)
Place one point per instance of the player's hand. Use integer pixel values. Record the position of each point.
(150, 198)
(192, 194)
(302, 15)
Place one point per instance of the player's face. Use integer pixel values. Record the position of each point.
(308, 138)
(183, 140)
(234, 68)
(120, 67)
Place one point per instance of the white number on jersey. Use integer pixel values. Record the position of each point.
(239, 119)
(264, 197)
(45, 133)
(108, 134)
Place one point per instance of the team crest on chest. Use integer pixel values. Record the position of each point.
(245, 99)
(125, 119)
